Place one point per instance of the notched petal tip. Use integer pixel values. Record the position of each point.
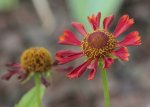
(94, 20)
(122, 53)
(107, 22)
(132, 39)
(124, 23)
(79, 27)
(69, 38)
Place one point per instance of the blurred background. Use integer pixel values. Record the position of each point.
(28, 23)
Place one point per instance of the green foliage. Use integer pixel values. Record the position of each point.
(6, 5)
(80, 9)
(30, 98)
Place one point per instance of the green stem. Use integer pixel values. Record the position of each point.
(38, 89)
(105, 84)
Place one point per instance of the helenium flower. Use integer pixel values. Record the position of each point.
(100, 44)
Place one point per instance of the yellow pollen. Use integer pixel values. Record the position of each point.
(36, 60)
(98, 44)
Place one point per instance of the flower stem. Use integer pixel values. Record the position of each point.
(105, 84)
(38, 89)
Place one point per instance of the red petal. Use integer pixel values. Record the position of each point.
(108, 62)
(93, 66)
(65, 56)
(94, 20)
(9, 74)
(13, 65)
(77, 72)
(15, 69)
(132, 39)
(122, 53)
(79, 27)
(68, 38)
(107, 22)
(123, 24)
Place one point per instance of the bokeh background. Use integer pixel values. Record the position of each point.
(29, 23)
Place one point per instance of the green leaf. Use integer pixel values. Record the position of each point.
(30, 98)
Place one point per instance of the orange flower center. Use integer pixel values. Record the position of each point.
(36, 60)
(98, 44)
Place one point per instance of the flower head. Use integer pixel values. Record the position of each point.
(100, 44)
(36, 60)
(33, 60)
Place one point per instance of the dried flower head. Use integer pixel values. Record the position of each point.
(36, 60)
(100, 44)
(33, 60)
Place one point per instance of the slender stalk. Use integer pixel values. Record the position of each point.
(38, 89)
(105, 84)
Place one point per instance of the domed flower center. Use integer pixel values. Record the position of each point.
(97, 39)
(98, 44)
(36, 60)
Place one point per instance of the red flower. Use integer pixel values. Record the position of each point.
(33, 60)
(98, 44)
